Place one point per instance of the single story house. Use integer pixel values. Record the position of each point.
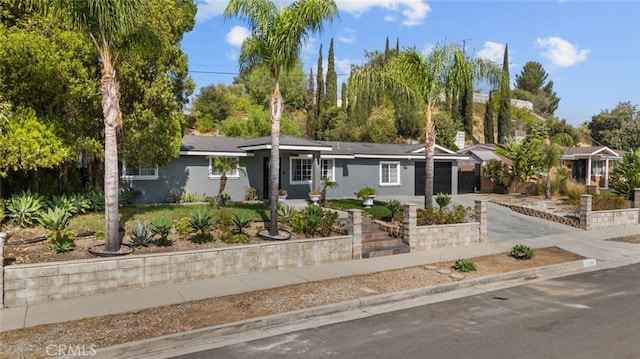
(590, 165)
(479, 154)
(392, 169)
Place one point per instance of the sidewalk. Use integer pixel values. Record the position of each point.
(588, 244)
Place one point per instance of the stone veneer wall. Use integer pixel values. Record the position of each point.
(424, 238)
(36, 283)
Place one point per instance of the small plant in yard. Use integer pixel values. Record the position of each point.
(235, 238)
(61, 241)
(140, 236)
(23, 209)
(285, 212)
(161, 226)
(394, 206)
(96, 201)
(465, 266)
(201, 220)
(520, 251)
(251, 194)
(365, 192)
(575, 190)
(431, 216)
(608, 202)
(203, 238)
(443, 199)
(242, 220)
(183, 226)
(62, 201)
(56, 220)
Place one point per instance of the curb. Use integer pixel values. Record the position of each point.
(159, 345)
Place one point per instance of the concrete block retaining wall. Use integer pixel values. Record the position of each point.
(590, 220)
(36, 283)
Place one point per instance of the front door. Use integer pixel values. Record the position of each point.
(579, 171)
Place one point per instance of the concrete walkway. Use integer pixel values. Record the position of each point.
(590, 244)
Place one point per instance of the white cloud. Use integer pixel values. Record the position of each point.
(308, 47)
(561, 52)
(414, 11)
(348, 36)
(236, 35)
(389, 18)
(492, 51)
(209, 8)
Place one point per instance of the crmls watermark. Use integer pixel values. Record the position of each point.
(78, 350)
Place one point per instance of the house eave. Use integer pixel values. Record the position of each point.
(215, 153)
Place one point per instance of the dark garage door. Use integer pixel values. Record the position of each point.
(441, 178)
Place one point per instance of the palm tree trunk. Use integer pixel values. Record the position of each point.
(112, 120)
(429, 151)
(547, 192)
(275, 107)
(223, 185)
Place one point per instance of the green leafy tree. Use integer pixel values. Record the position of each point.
(213, 103)
(489, 136)
(420, 79)
(533, 80)
(618, 128)
(504, 115)
(445, 128)
(625, 177)
(380, 127)
(549, 157)
(259, 84)
(332, 79)
(276, 41)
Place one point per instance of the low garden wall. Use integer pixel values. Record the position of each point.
(424, 238)
(35, 283)
(541, 214)
(590, 220)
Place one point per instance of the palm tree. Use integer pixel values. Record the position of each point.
(549, 157)
(223, 165)
(421, 80)
(277, 36)
(326, 183)
(111, 26)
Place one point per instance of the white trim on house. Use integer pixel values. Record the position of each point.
(138, 177)
(443, 149)
(219, 154)
(230, 175)
(286, 147)
(346, 157)
(292, 172)
(332, 172)
(380, 177)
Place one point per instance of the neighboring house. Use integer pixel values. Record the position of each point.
(590, 165)
(389, 168)
(478, 155)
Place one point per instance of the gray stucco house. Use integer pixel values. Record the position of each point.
(389, 168)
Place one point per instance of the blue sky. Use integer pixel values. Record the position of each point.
(590, 49)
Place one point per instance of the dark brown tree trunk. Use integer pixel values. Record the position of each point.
(223, 185)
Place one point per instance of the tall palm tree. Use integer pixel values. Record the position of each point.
(277, 36)
(421, 79)
(223, 165)
(111, 25)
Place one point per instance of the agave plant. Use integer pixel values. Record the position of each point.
(96, 201)
(443, 200)
(55, 219)
(80, 203)
(394, 206)
(62, 201)
(24, 208)
(140, 236)
(161, 226)
(201, 219)
(242, 220)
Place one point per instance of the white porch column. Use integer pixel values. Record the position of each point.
(606, 172)
(589, 171)
(316, 173)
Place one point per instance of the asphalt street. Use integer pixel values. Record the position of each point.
(587, 315)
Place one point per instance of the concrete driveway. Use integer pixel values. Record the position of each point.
(503, 223)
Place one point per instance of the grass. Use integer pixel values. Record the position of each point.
(133, 214)
(377, 211)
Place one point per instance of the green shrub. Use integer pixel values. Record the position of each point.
(55, 219)
(128, 195)
(251, 194)
(236, 238)
(140, 236)
(96, 201)
(161, 226)
(465, 266)
(625, 177)
(222, 219)
(394, 206)
(24, 208)
(61, 241)
(314, 220)
(242, 220)
(432, 216)
(498, 172)
(201, 220)
(201, 238)
(365, 192)
(186, 197)
(608, 202)
(521, 252)
(183, 226)
(443, 199)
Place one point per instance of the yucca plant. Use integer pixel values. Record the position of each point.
(394, 206)
(24, 208)
(443, 200)
(161, 226)
(242, 220)
(140, 236)
(201, 220)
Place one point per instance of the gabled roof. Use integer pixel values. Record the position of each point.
(236, 146)
(584, 152)
(478, 146)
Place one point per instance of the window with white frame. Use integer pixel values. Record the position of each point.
(143, 171)
(389, 173)
(301, 170)
(216, 173)
(328, 169)
(596, 168)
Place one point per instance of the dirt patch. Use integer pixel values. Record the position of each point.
(627, 239)
(560, 206)
(127, 327)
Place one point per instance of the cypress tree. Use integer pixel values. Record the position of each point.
(488, 120)
(344, 95)
(467, 109)
(504, 117)
(386, 49)
(320, 85)
(397, 45)
(310, 105)
(331, 98)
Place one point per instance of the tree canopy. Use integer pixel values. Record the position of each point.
(618, 128)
